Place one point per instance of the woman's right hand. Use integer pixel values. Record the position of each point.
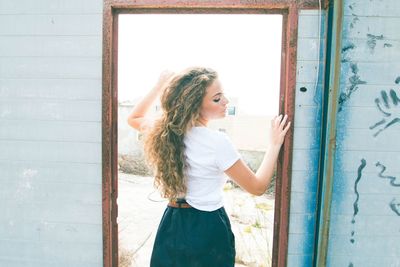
(278, 130)
(163, 79)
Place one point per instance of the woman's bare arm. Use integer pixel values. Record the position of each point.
(138, 119)
(257, 183)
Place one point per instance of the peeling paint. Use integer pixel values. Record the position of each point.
(355, 81)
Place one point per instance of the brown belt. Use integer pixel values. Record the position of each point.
(179, 203)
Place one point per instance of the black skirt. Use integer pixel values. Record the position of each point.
(188, 237)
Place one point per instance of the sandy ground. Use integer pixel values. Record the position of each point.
(140, 208)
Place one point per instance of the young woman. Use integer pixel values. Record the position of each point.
(190, 160)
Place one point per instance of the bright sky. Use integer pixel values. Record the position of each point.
(244, 49)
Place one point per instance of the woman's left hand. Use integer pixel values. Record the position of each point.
(279, 128)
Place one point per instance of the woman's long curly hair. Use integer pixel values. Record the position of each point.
(163, 144)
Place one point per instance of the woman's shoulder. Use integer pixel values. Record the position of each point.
(202, 135)
(211, 134)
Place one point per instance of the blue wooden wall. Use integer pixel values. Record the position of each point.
(365, 213)
(50, 133)
(306, 142)
(365, 205)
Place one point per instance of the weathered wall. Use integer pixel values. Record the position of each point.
(306, 142)
(50, 136)
(50, 133)
(365, 213)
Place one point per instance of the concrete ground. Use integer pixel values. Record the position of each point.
(140, 208)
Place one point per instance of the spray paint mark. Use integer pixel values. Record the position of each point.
(353, 23)
(345, 49)
(377, 124)
(371, 41)
(354, 82)
(388, 105)
(385, 45)
(355, 204)
(391, 178)
(395, 206)
(397, 81)
(348, 47)
(351, 264)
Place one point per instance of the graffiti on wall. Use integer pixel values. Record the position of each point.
(393, 180)
(388, 105)
(354, 81)
(394, 204)
(355, 204)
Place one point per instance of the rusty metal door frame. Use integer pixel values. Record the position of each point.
(289, 11)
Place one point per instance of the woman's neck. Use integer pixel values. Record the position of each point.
(202, 122)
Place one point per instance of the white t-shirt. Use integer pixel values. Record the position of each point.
(208, 154)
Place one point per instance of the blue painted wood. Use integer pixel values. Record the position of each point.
(51, 151)
(48, 171)
(303, 202)
(50, 68)
(303, 181)
(50, 231)
(385, 8)
(51, 7)
(366, 72)
(29, 189)
(308, 94)
(364, 50)
(371, 223)
(299, 244)
(302, 223)
(305, 160)
(51, 46)
(68, 131)
(51, 88)
(27, 210)
(364, 260)
(51, 24)
(299, 260)
(306, 140)
(56, 252)
(365, 214)
(56, 110)
(360, 26)
(386, 244)
(50, 133)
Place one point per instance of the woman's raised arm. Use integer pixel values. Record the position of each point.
(137, 119)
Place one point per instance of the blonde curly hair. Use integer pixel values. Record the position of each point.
(163, 144)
